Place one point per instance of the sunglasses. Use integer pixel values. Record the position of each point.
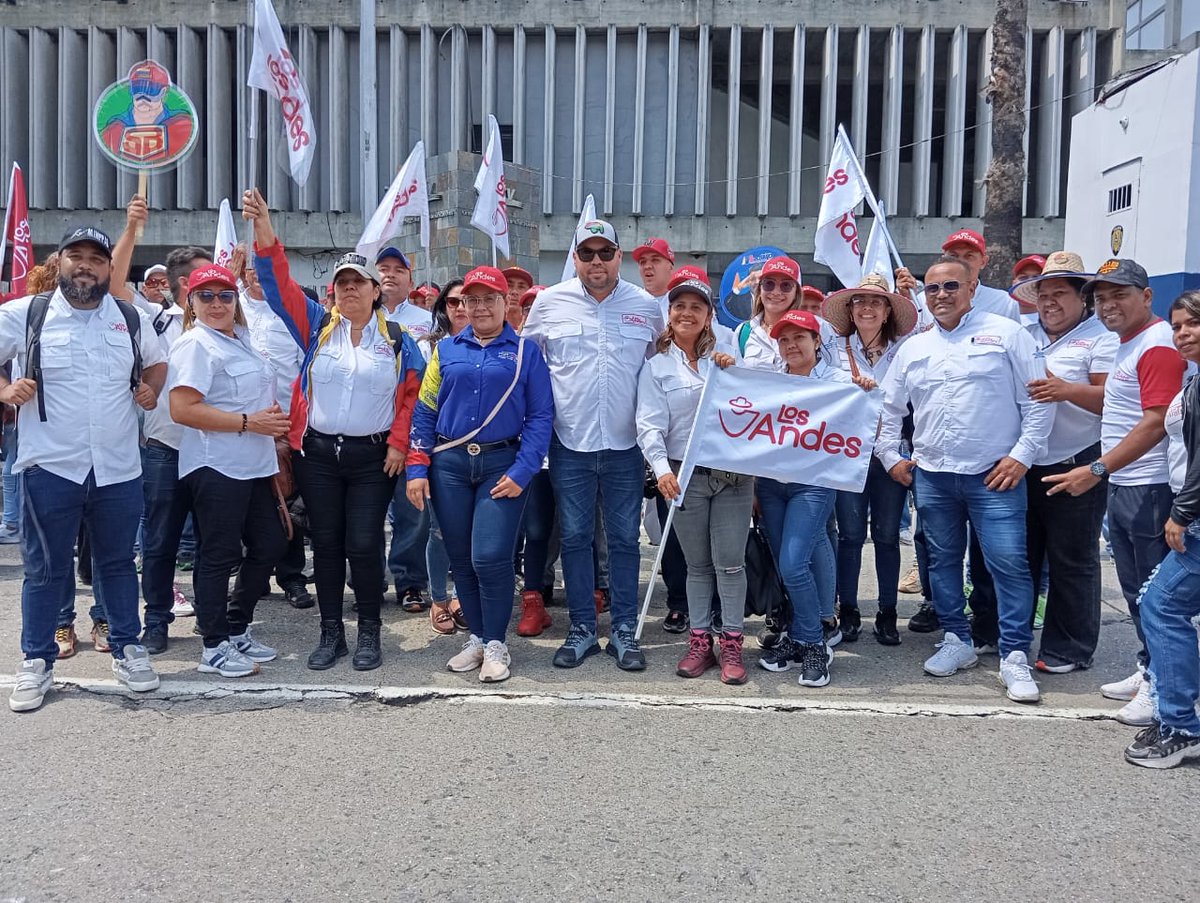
(934, 289)
(777, 285)
(605, 254)
(207, 297)
(157, 282)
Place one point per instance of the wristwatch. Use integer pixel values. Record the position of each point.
(1098, 468)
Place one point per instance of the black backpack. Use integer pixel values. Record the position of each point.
(35, 318)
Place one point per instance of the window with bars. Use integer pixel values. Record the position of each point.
(1120, 198)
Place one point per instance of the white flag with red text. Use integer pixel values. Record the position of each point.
(16, 230)
(226, 236)
(491, 209)
(407, 196)
(588, 214)
(784, 427)
(877, 258)
(837, 244)
(273, 69)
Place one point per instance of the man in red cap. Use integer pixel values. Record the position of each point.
(1028, 267)
(968, 246)
(520, 281)
(655, 261)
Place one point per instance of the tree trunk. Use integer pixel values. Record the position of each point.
(1005, 180)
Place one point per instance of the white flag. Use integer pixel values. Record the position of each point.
(589, 213)
(774, 425)
(408, 196)
(877, 258)
(272, 69)
(226, 236)
(491, 209)
(837, 244)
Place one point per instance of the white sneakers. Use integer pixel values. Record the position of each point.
(495, 662)
(1139, 711)
(1014, 671)
(470, 658)
(34, 680)
(1126, 689)
(180, 606)
(953, 655)
(135, 670)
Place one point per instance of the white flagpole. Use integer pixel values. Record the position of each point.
(252, 99)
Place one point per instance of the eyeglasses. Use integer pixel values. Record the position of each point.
(476, 301)
(867, 302)
(777, 285)
(459, 301)
(157, 283)
(936, 288)
(207, 297)
(606, 254)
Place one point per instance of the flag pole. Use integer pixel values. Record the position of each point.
(252, 130)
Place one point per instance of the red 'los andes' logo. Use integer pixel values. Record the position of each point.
(783, 428)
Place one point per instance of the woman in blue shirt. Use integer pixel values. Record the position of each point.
(479, 433)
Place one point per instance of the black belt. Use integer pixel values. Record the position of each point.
(1085, 456)
(158, 444)
(478, 448)
(373, 439)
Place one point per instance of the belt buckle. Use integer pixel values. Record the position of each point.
(473, 449)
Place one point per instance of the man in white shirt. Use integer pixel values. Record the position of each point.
(976, 434)
(78, 456)
(596, 332)
(656, 262)
(968, 246)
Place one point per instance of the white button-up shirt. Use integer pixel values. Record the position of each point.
(1088, 348)
(353, 387)
(91, 417)
(416, 320)
(762, 351)
(157, 423)
(968, 390)
(668, 394)
(270, 337)
(595, 351)
(232, 376)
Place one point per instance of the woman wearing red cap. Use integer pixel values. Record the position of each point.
(223, 393)
(795, 517)
(350, 416)
(480, 431)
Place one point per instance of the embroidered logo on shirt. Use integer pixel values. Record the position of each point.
(1079, 343)
(507, 356)
(382, 348)
(986, 340)
(633, 320)
(118, 327)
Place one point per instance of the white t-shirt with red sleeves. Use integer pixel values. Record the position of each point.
(1147, 373)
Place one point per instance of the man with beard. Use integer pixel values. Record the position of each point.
(78, 457)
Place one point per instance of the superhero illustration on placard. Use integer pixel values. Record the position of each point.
(145, 122)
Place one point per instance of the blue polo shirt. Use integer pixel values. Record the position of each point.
(462, 384)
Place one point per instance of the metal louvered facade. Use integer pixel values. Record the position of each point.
(636, 112)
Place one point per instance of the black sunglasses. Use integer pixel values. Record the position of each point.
(207, 297)
(933, 289)
(605, 254)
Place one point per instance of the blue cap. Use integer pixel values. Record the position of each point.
(393, 251)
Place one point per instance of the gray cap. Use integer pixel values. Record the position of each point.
(361, 265)
(691, 287)
(1118, 271)
(597, 228)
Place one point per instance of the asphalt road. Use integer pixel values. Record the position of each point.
(411, 783)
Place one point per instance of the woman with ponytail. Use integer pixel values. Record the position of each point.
(350, 415)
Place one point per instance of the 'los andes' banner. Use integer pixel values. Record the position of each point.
(788, 428)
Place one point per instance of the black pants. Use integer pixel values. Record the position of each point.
(290, 570)
(228, 515)
(674, 567)
(346, 494)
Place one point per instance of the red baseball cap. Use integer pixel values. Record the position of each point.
(782, 266)
(486, 276)
(531, 294)
(813, 291)
(801, 318)
(1036, 261)
(515, 272)
(688, 274)
(425, 290)
(968, 237)
(657, 246)
(209, 274)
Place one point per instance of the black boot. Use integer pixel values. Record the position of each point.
(885, 627)
(851, 624)
(925, 620)
(331, 646)
(368, 656)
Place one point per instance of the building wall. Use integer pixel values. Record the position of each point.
(626, 100)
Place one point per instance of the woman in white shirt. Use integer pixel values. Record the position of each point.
(223, 392)
(871, 321)
(715, 517)
(350, 415)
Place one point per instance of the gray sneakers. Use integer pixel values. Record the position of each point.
(135, 670)
(580, 643)
(248, 646)
(624, 647)
(225, 660)
(34, 679)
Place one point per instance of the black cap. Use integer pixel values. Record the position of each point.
(691, 287)
(1118, 271)
(89, 234)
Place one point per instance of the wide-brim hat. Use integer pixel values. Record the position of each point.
(837, 306)
(1059, 265)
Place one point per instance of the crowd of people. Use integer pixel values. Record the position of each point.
(501, 426)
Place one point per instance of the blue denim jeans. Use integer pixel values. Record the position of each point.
(882, 499)
(53, 510)
(167, 504)
(795, 517)
(1169, 601)
(480, 533)
(12, 481)
(945, 502)
(438, 563)
(618, 477)
(410, 535)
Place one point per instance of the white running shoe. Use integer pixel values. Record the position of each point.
(1139, 711)
(1014, 671)
(1126, 689)
(470, 658)
(135, 670)
(181, 608)
(952, 655)
(495, 663)
(226, 661)
(34, 679)
(248, 646)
